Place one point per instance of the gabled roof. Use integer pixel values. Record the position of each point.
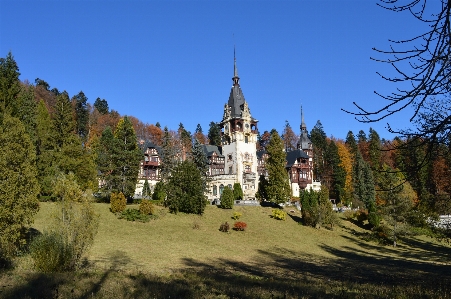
(210, 149)
(294, 155)
(150, 144)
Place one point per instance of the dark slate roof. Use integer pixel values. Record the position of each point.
(294, 155)
(210, 149)
(150, 144)
(304, 141)
(260, 154)
(236, 100)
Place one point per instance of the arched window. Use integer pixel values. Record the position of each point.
(221, 188)
(215, 190)
(230, 186)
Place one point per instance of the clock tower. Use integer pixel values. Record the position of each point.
(239, 139)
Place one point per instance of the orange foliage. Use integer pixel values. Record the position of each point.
(155, 134)
(201, 137)
(441, 175)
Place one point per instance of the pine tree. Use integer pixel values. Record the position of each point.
(214, 134)
(63, 119)
(237, 192)
(227, 198)
(309, 206)
(362, 145)
(364, 189)
(374, 150)
(147, 193)
(81, 115)
(159, 193)
(106, 151)
(326, 214)
(26, 110)
(262, 188)
(18, 184)
(278, 189)
(101, 106)
(200, 160)
(126, 165)
(351, 143)
(45, 149)
(185, 189)
(74, 158)
(9, 85)
(318, 138)
(185, 140)
(337, 172)
(168, 156)
(199, 135)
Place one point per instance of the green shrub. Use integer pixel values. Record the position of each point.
(50, 252)
(237, 192)
(118, 202)
(224, 227)
(134, 215)
(279, 214)
(159, 194)
(236, 215)
(146, 207)
(240, 226)
(227, 198)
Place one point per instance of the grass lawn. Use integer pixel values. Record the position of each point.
(167, 257)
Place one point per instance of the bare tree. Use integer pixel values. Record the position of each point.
(422, 73)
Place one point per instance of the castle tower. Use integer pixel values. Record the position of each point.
(304, 142)
(239, 138)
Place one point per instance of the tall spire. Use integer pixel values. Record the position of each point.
(236, 79)
(303, 126)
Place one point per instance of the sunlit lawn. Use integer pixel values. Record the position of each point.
(169, 257)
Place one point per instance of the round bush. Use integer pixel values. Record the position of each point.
(146, 207)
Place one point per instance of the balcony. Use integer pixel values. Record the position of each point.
(151, 163)
(250, 176)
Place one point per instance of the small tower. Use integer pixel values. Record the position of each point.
(304, 142)
(239, 138)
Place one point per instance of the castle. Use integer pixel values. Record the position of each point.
(237, 159)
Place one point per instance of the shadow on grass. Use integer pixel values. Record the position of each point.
(66, 284)
(366, 271)
(295, 218)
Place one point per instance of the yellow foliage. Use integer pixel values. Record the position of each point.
(118, 202)
(346, 162)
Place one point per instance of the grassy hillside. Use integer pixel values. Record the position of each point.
(168, 257)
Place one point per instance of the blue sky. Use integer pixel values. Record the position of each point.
(172, 61)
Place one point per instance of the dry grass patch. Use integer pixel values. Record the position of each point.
(167, 257)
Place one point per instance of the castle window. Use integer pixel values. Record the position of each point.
(221, 188)
(230, 186)
(246, 139)
(215, 190)
(230, 169)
